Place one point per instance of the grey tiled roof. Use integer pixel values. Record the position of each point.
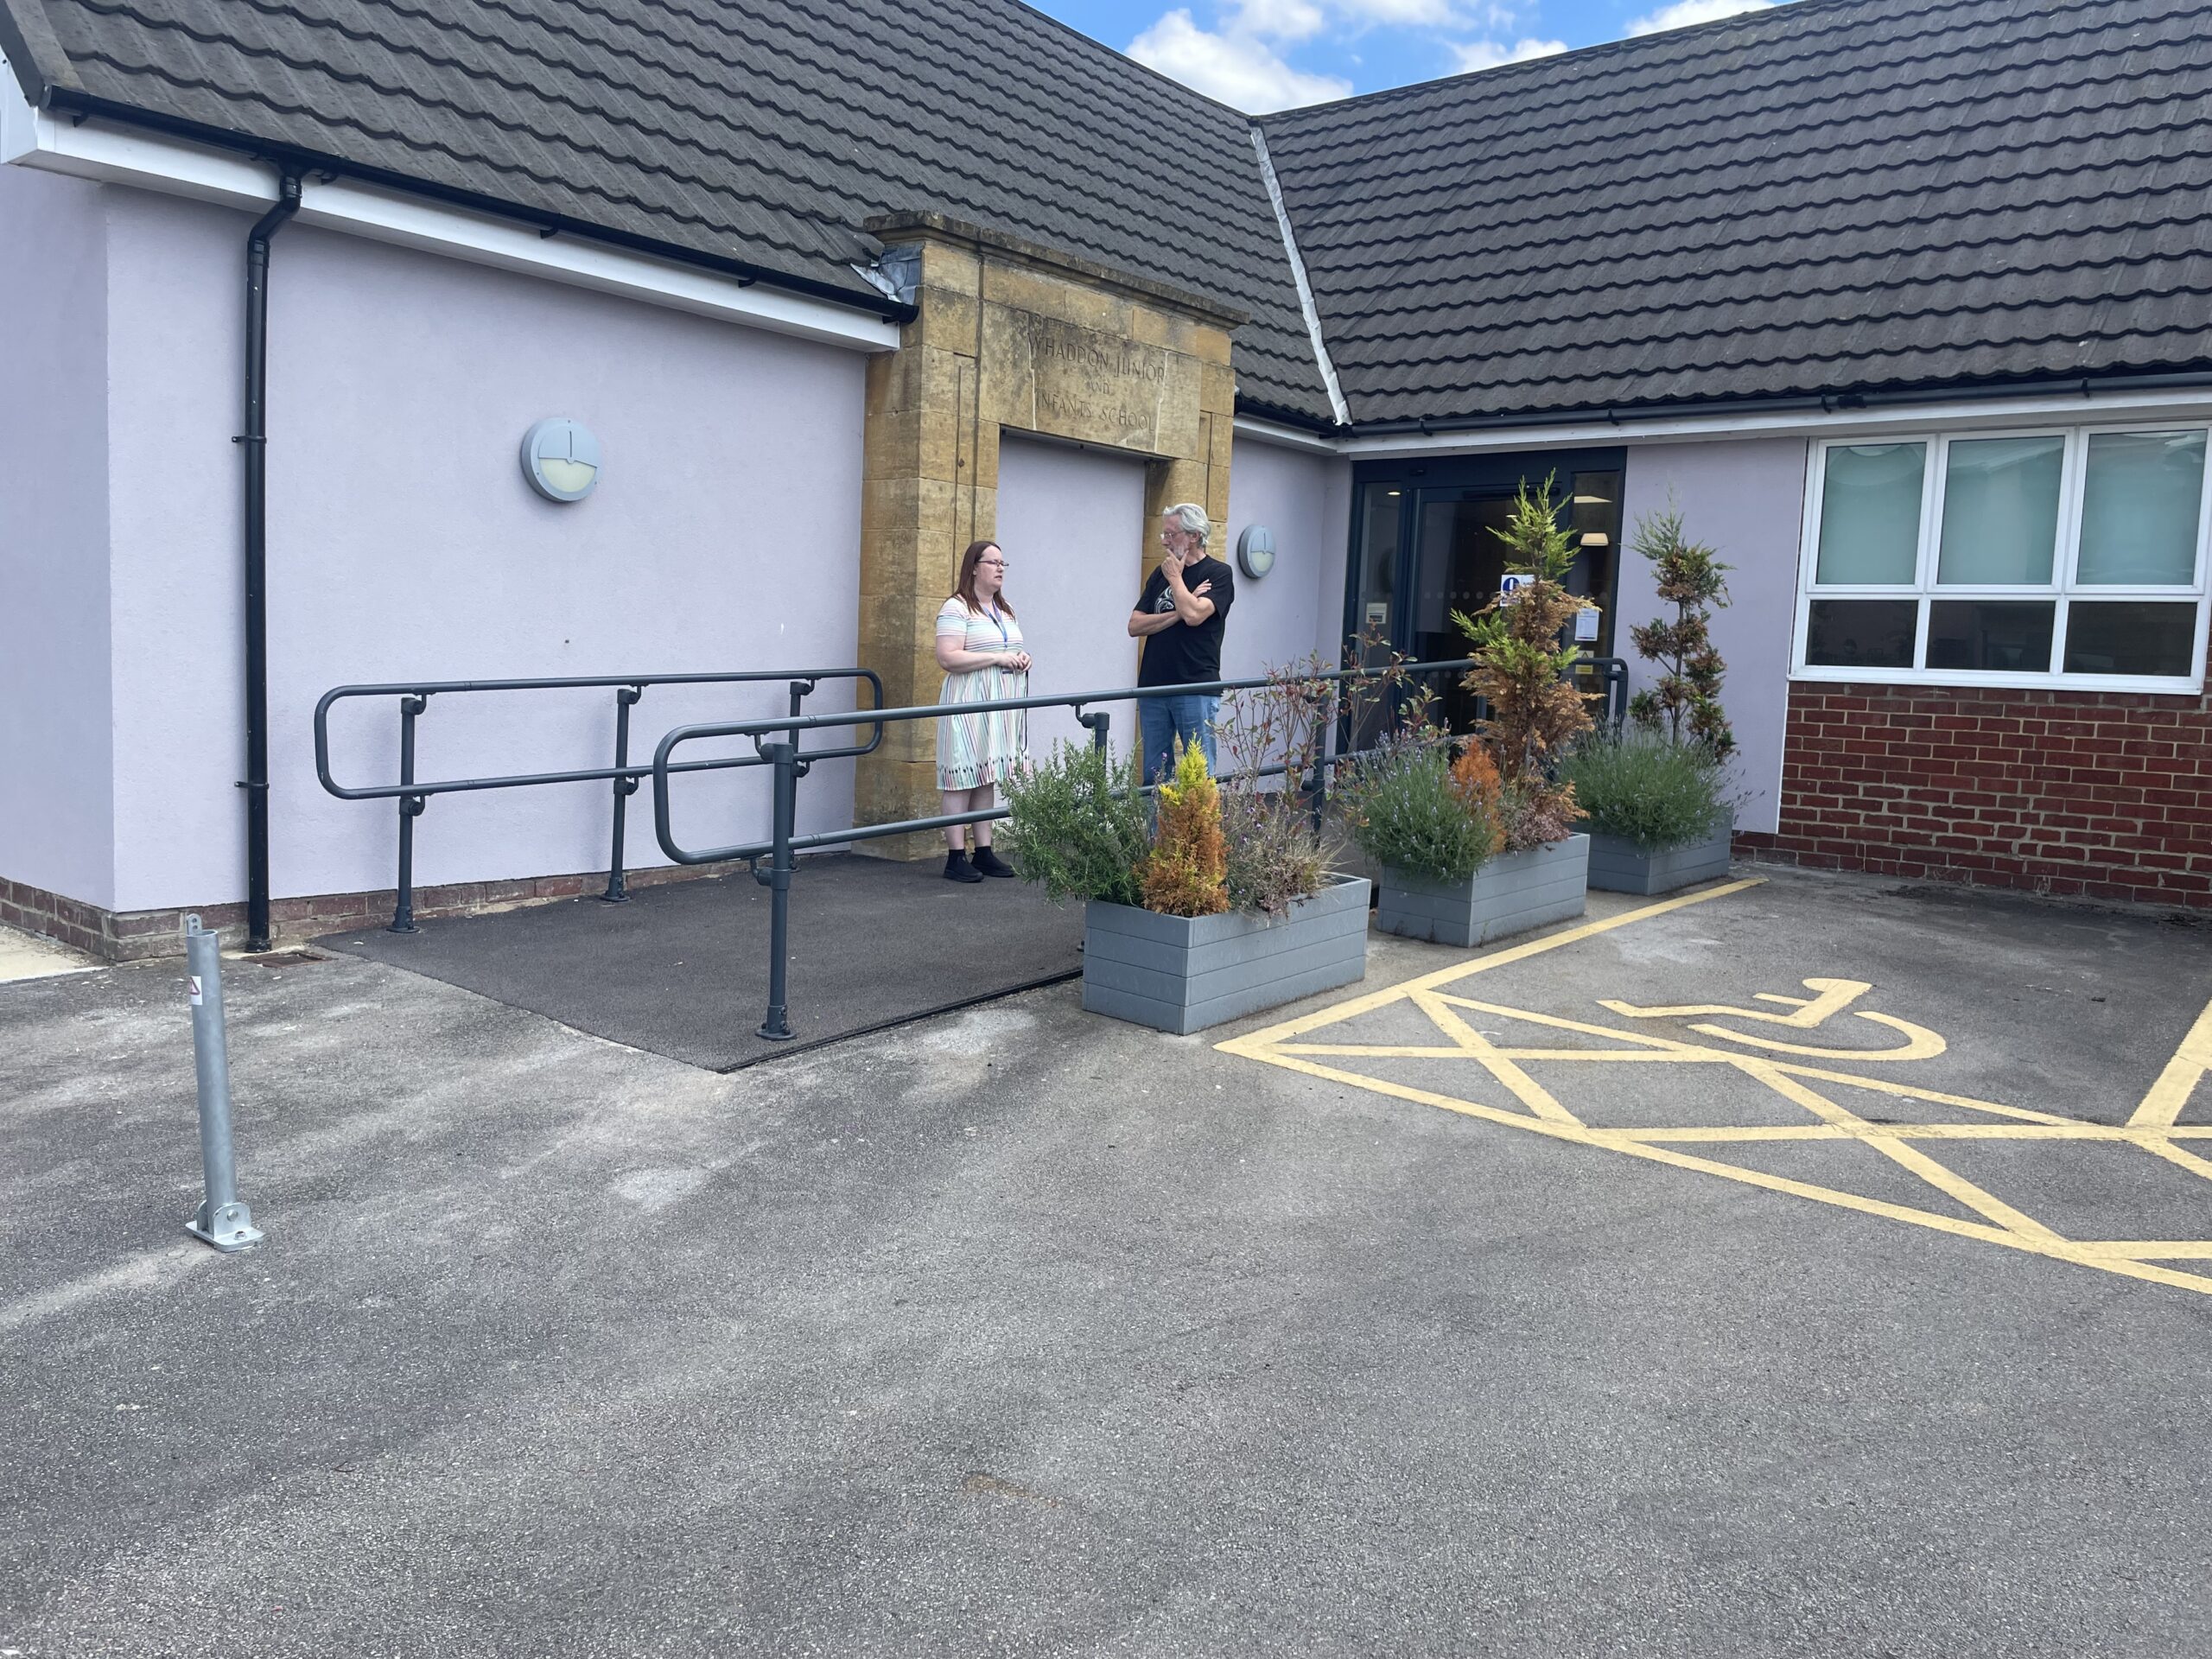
(1832, 196)
(759, 131)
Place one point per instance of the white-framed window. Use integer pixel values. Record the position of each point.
(2071, 557)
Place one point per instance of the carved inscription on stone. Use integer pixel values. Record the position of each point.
(1095, 386)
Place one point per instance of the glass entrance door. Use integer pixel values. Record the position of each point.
(1458, 561)
(1425, 545)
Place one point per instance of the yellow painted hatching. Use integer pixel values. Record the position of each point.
(1807, 1079)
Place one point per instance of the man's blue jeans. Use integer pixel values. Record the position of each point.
(1163, 721)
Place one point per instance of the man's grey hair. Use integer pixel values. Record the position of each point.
(1192, 517)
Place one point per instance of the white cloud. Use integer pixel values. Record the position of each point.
(1411, 14)
(1488, 55)
(1683, 13)
(1277, 20)
(1237, 66)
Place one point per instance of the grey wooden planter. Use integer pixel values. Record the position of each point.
(1512, 893)
(1618, 865)
(1184, 973)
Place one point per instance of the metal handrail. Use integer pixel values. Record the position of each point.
(1611, 671)
(425, 689)
(784, 756)
(414, 795)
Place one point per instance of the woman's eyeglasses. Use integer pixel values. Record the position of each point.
(995, 564)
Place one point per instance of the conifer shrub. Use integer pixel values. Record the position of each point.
(1686, 698)
(1524, 666)
(1187, 873)
(1523, 816)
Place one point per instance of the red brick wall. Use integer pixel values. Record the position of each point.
(2093, 794)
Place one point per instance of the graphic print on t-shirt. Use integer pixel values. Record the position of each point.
(1181, 654)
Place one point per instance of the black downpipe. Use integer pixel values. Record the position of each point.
(255, 442)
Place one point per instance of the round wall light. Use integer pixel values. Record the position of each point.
(560, 457)
(1255, 551)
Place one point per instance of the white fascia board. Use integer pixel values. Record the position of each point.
(18, 125)
(1937, 415)
(114, 155)
(1289, 437)
(486, 240)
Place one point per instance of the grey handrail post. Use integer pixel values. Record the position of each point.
(222, 1219)
(1098, 725)
(410, 808)
(783, 756)
(618, 892)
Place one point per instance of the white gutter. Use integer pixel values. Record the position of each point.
(1288, 437)
(1312, 313)
(1937, 414)
(115, 154)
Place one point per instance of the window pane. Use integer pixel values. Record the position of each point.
(1861, 633)
(1870, 513)
(2000, 634)
(2130, 637)
(2138, 508)
(2000, 511)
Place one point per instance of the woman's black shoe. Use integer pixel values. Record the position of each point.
(990, 863)
(958, 868)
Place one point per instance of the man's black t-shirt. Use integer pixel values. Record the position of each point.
(1180, 654)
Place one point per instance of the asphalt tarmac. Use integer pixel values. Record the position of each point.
(1019, 1331)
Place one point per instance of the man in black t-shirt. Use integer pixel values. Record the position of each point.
(1180, 616)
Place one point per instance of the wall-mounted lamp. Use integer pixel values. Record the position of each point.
(1255, 551)
(560, 457)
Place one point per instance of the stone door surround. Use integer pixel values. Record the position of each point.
(1011, 336)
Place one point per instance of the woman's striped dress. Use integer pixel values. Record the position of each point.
(976, 749)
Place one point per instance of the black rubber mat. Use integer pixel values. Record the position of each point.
(683, 969)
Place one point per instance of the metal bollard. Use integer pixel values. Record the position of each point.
(222, 1219)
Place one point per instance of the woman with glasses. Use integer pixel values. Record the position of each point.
(979, 648)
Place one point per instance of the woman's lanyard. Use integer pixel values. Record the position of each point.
(994, 614)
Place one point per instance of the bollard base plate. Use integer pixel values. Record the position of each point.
(229, 1227)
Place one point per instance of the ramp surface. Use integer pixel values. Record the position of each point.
(683, 969)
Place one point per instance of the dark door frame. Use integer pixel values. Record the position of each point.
(1423, 479)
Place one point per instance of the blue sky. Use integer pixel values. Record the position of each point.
(1269, 54)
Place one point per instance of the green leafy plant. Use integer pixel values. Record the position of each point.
(1078, 826)
(1187, 873)
(1643, 788)
(1407, 810)
(1075, 825)
(1522, 668)
(1685, 699)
